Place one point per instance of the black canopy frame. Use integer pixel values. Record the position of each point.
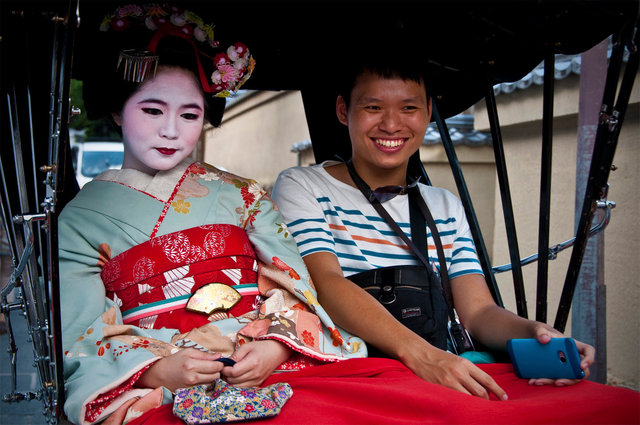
(471, 46)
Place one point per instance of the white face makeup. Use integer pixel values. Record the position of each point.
(162, 121)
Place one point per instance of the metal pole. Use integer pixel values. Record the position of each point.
(588, 314)
(507, 204)
(545, 189)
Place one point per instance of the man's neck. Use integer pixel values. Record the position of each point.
(377, 177)
(373, 178)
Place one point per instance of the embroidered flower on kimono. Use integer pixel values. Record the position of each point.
(181, 206)
(299, 306)
(336, 337)
(283, 228)
(210, 177)
(256, 189)
(102, 348)
(140, 343)
(307, 338)
(247, 196)
(311, 299)
(197, 169)
(252, 214)
(249, 408)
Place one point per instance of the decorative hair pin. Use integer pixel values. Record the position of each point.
(230, 69)
(137, 65)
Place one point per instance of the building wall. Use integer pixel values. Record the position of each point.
(256, 135)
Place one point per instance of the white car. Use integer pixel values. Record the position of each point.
(92, 158)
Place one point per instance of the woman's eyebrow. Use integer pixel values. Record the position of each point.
(162, 102)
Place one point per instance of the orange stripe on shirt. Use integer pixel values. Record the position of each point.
(382, 241)
(378, 241)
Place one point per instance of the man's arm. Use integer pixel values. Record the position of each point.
(494, 326)
(353, 309)
(482, 317)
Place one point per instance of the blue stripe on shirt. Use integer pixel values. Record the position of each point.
(310, 230)
(311, 240)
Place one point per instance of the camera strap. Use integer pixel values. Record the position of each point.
(418, 211)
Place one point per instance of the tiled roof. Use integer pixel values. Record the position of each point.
(461, 132)
(565, 65)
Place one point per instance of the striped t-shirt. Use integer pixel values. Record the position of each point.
(324, 214)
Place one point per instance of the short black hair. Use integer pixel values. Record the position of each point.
(394, 57)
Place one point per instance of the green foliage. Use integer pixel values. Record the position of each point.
(94, 129)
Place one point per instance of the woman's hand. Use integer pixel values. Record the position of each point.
(255, 361)
(447, 369)
(543, 333)
(185, 368)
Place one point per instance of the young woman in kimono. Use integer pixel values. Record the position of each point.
(167, 264)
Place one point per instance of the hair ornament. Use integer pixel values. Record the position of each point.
(231, 69)
(137, 65)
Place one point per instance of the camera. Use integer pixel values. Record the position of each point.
(460, 338)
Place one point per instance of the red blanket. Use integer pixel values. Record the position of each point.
(382, 391)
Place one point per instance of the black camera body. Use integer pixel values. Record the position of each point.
(460, 338)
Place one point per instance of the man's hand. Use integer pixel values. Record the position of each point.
(447, 369)
(544, 333)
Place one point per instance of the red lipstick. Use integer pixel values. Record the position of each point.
(166, 151)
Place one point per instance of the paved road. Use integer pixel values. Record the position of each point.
(23, 412)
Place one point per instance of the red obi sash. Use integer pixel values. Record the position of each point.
(152, 282)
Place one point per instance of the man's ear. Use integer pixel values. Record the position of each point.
(116, 118)
(341, 110)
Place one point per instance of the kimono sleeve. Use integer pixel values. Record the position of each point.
(97, 360)
(312, 332)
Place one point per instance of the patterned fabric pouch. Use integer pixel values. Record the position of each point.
(206, 404)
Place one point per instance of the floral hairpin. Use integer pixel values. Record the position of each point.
(231, 69)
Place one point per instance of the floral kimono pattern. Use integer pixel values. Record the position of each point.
(135, 250)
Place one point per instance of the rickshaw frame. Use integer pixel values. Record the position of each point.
(35, 193)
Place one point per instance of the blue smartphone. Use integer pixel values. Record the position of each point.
(558, 359)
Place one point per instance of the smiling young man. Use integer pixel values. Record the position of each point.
(386, 107)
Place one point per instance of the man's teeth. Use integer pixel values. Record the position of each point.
(389, 143)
